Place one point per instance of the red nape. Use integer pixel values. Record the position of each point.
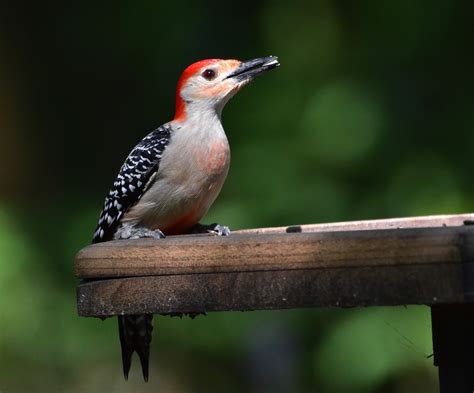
(187, 73)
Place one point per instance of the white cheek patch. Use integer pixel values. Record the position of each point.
(219, 90)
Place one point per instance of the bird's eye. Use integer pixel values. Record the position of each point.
(209, 74)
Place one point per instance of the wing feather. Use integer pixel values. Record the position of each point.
(133, 179)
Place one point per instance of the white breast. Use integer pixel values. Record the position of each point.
(192, 171)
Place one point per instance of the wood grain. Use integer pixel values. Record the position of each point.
(335, 287)
(420, 260)
(250, 252)
(389, 223)
(428, 260)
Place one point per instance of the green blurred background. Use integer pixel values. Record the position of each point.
(370, 115)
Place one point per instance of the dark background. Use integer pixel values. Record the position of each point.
(369, 116)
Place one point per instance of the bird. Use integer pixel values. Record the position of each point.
(174, 174)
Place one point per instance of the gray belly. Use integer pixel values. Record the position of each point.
(183, 188)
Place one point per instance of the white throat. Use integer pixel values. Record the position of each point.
(203, 121)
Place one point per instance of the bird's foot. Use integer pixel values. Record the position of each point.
(214, 229)
(132, 232)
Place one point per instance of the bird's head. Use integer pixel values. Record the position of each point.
(209, 84)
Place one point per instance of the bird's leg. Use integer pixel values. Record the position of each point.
(215, 229)
(128, 231)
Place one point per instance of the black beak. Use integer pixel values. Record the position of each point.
(251, 68)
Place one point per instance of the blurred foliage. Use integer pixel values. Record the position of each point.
(369, 116)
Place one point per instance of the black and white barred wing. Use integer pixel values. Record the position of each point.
(132, 181)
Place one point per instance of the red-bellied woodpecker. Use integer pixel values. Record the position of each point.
(171, 178)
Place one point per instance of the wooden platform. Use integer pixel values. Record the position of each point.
(423, 260)
(420, 260)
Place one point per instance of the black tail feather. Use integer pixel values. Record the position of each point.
(135, 336)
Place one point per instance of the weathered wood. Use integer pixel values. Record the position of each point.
(248, 271)
(319, 287)
(421, 260)
(249, 252)
(389, 223)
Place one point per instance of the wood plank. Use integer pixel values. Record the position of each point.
(320, 287)
(390, 223)
(426, 260)
(276, 251)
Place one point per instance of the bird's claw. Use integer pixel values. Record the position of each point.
(219, 230)
(138, 233)
(213, 229)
